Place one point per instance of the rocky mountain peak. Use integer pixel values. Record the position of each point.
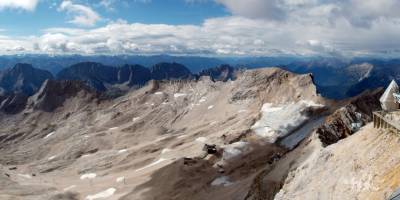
(22, 78)
(220, 73)
(170, 71)
(53, 93)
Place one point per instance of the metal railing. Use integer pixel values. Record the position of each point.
(384, 120)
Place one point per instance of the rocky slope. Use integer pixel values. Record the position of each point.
(68, 143)
(363, 166)
(350, 118)
(266, 134)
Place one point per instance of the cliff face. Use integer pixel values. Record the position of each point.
(22, 78)
(170, 71)
(220, 73)
(14, 103)
(348, 119)
(102, 77)
(133, 75)
(53, 94)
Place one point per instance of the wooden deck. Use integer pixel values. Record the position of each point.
(385, 120)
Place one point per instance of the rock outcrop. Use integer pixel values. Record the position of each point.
(275, 85)
(220, 73)
(53, 93)
(13, 103)
(133, 75)
(349, 118)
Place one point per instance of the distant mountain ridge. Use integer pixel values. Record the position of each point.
(220, 73)
(335, 78)
(103, 77)
(27, 80)
(55, 63)
(22, 78)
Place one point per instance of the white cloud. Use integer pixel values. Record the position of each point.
(360, 13)
(82, 15)
(217, 36)
(297, 27)
(29, 5)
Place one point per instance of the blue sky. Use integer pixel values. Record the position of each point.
(201, 27)
(47, 14)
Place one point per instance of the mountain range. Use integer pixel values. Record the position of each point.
(225, 133)
(334, 78)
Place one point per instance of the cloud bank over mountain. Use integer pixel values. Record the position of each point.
(276, 27)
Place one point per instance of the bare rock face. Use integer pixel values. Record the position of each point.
(276, 86)
(13, 103)
(348, 119)
(101, 77)
(52, 94)
(133, 75)
(220, 73)
(22, 78)
(170, 71)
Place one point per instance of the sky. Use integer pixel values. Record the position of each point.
(201, 27)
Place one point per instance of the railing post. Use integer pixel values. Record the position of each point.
(373, 119)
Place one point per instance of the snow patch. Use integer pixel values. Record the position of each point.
(135, 119)
(120, 179)
(201, 140)
(164, 151)
(177, 95)
(210, 107)
(27, 176)
(122, 151)
(221, 181)
(203, 99)
(242, 111)
(152, 164)
(182, 136)
(235, 149)
(113, 128)
(51, 157)
(356, 126)
(278, 121)
(88, 176)
(158, 93)
(69, 187)
(162, 138)
(102, 195)
(213, 123)
(50, 134)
